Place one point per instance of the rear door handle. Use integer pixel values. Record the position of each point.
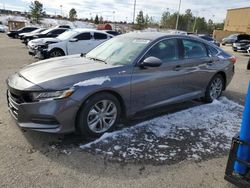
(177, 68)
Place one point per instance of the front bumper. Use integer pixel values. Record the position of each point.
(52, 116)
(238, 47)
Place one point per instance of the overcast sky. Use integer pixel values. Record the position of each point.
(122, 10)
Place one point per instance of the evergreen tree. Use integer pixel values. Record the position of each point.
(97, 19)
(36, 11)
(72, 14)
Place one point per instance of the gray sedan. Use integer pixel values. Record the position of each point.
(91, 93)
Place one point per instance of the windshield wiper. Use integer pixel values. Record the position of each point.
(96, 59)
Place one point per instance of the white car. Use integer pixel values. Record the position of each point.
(74, 41)
(248, 50)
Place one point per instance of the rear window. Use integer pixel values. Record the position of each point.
(58, 31)
(100, 36)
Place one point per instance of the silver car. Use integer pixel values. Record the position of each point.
(91, 93)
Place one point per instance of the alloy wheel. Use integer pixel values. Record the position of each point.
(216, 88)
(102, 116)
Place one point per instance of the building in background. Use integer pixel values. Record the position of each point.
(238, 20)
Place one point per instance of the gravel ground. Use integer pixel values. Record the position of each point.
(31, 159)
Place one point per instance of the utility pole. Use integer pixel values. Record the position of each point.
(134, 12)
(195, 24)
(61, 11)
(178, 15)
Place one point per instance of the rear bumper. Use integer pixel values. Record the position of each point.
(52, 116)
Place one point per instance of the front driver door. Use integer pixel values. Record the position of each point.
(153, 86)
(82, 44)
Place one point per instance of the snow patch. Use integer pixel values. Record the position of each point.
(195, 133)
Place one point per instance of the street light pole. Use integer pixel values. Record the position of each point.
(178, 15)
(134, 12)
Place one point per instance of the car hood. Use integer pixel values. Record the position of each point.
(63, 72)
(44, 40)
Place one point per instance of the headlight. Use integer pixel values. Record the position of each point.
(51, 95)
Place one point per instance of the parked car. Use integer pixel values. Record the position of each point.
(49, 33)
(230, 39)
(210, 39)
(2, 28)
(23, 36)
(74, 41)
(15, 34)
(112, 32)
(248, 50)
(126, 74)
(242, 43)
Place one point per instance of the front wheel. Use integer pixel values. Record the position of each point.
(214, 88)
(56, 53)
(98, 115)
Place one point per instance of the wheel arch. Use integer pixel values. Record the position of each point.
(57, 48)
(112, 92)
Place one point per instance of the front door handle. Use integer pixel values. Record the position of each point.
(177, 68)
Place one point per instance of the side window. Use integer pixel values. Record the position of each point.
(59, 31)
(83, 36)
(166, 50)
(100, 36)
(212, 51)
(193, 49)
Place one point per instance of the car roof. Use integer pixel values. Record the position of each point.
(158, 35)
(86, 30)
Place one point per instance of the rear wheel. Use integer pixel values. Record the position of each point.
(56, 53)
(98, 115)
(214, 88)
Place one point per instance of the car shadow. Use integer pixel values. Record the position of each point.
(65, 150)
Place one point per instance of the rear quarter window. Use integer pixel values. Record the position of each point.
(212, 51)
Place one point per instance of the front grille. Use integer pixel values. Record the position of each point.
(13, 105)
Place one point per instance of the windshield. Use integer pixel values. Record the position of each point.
(46, 31)
(232, 36)
(118, 51)
(67, 35)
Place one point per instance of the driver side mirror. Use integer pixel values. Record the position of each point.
(151, 62)
(73, 40)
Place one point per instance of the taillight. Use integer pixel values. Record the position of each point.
(232, 59)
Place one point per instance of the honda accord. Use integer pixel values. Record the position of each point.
(90, 93)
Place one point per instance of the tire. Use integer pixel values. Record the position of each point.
(56, 53)
(93, 113)
(16, 36)
(223, 44)
(214, 88)
(235, 50)
(248, 64)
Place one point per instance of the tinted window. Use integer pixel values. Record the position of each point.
(100, 36)
(58, 31)
(212, 51)
(29, 29)
(64, 26)
(84, 36)
(113, 33)
(165, 50)
(207, 38)
(193, 49)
